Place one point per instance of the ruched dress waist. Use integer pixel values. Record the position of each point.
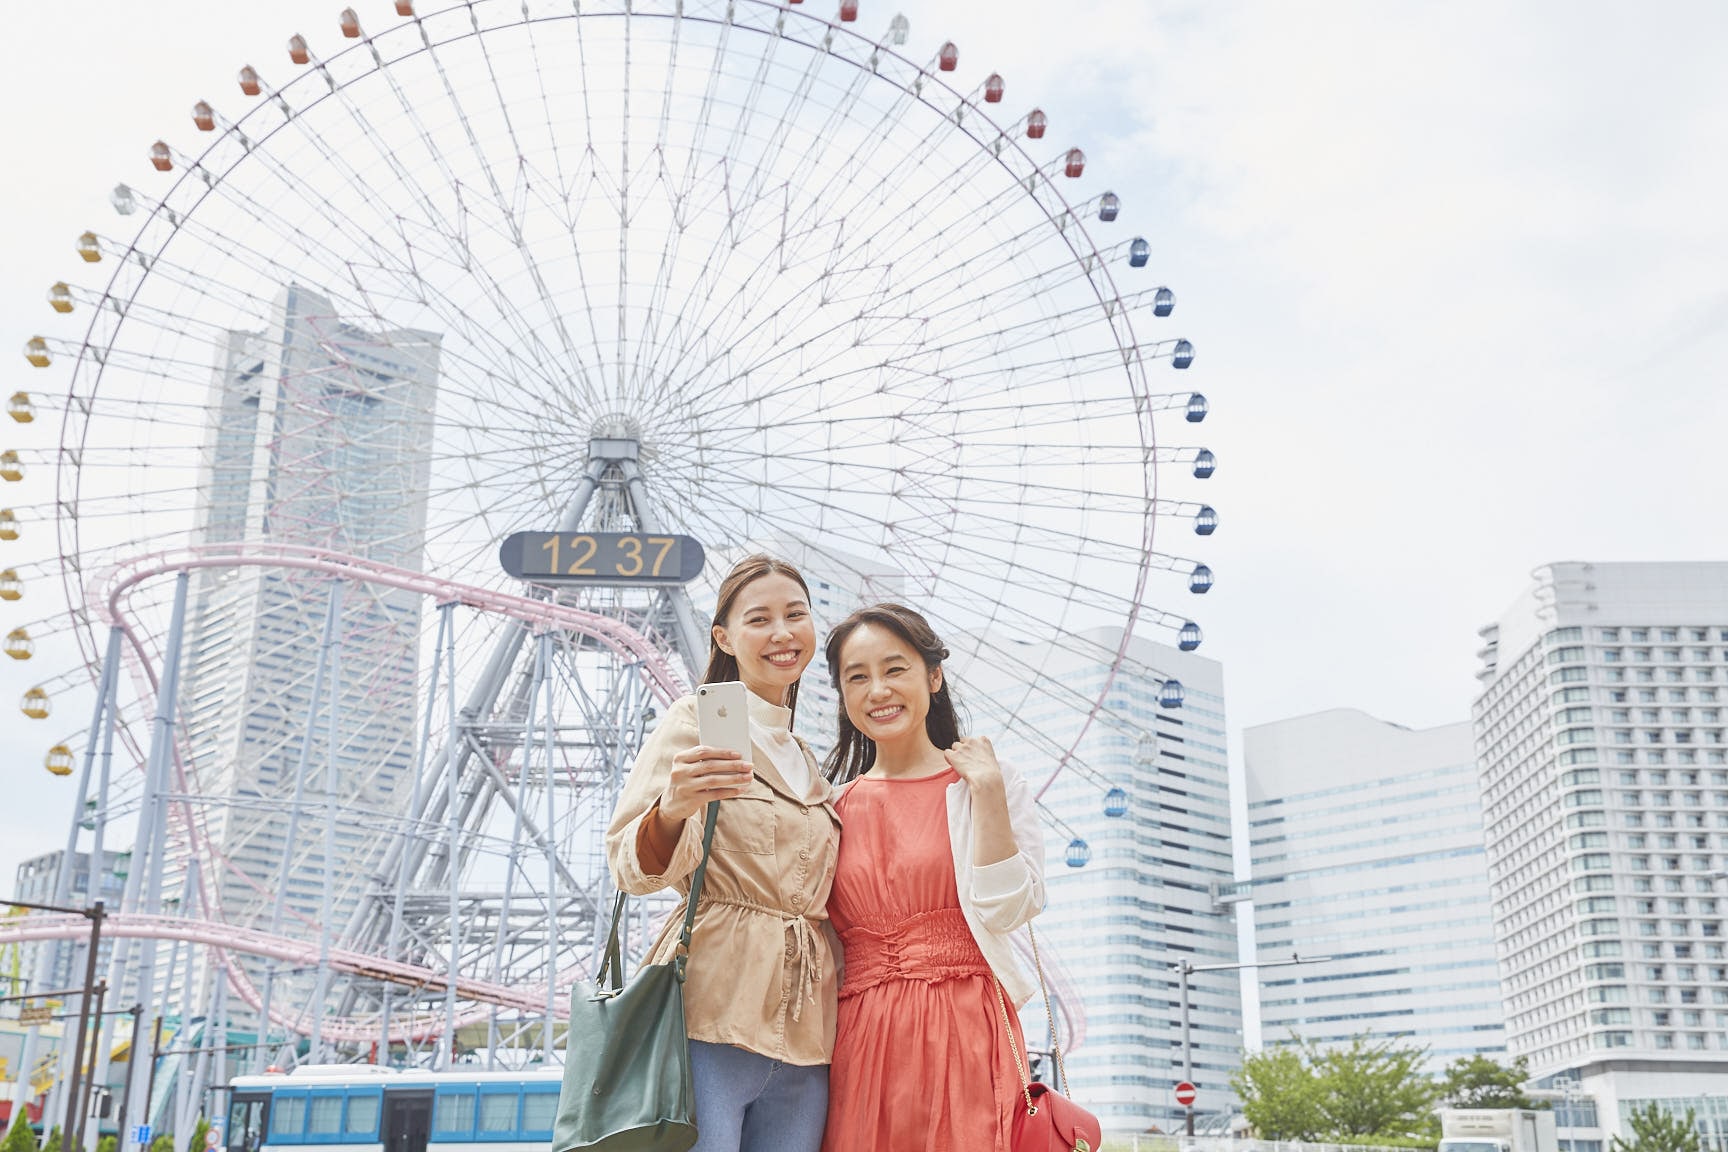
(927, 946)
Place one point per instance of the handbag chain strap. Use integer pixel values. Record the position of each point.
(613, 963)
(1049, 1015)
(1019, 1065)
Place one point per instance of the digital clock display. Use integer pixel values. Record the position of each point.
(601, 558)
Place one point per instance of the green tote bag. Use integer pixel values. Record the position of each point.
(627, 1059)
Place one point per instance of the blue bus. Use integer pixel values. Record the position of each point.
(365, 1108)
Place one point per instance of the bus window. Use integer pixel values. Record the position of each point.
(246, 1116)
(539, 1110)
(362, 1124)
(453, 1114)
(287, 1118)
(497, 1113)
(324, 1118)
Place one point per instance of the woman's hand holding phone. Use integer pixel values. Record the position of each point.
(701, 774)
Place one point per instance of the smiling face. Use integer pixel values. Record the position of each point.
(885, 685)
(771, 634)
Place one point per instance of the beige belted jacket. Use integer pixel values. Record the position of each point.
(762, 973)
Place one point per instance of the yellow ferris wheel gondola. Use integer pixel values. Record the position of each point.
(19, 646)
(35, 704)
(59, 760)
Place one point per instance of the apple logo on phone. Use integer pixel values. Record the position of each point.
(720, 711)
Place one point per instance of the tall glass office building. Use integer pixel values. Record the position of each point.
(1600, 739)
(1155, 886)
(320, 436)
(1366, 848)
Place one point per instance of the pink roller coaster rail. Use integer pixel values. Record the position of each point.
(110, 593)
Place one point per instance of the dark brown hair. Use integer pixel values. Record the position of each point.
(723, 665)
(855, 753)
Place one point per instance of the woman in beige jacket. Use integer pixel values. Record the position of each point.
(759, 1000)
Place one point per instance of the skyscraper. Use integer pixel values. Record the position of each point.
(1150, 816)
(320, 436)
(1366, 844)
(1600, 741)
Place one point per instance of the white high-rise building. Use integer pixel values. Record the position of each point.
(320, 436)
(1155, 890)
(1600, 742)
(1366, 847)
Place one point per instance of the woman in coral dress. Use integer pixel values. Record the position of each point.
(941, 857)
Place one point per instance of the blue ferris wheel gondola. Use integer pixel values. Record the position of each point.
(1205, 520)
(1109, 205)
(1188, 638)
(1164, 302)
(1205, 463)
(1200, 580)
(1171, 694)
(1116, 803)
(1079, 853)
(1183, 354)
(1139, 252)
(1197, 408)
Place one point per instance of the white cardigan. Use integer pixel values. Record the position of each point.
(999, 898)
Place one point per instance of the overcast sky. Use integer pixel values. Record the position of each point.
(1454, 272)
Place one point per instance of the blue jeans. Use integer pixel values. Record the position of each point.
(746, 1102)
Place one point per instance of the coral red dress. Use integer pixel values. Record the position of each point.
(921, 1060)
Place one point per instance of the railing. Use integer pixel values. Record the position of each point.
(1135, 1142)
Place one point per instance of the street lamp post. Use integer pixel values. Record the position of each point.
(1184, 968)
(95, 913)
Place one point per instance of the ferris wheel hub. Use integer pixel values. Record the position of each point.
(614, 427)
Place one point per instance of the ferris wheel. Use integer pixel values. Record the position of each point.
(733, 270)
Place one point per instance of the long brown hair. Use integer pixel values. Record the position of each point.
(855, 753)
(723, 665)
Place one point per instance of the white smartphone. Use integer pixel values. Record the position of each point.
(723, 716)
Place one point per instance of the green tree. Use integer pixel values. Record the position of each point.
(1280, 1095)
(52, 1144)
(108, 1143)
(1372, 1088)
(163, 1143)
(1483, 1082)
(1656, 1130)
(196, 1143)
(20, 1137)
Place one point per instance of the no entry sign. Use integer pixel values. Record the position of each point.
(1185, 1093)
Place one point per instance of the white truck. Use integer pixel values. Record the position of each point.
(1497, 1130)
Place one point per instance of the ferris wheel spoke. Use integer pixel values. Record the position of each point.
(991, 526)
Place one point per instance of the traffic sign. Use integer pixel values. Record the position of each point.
(609, 558)
(141, 1135)
(1185, 1093)
(35, 1014)
(213, 1138)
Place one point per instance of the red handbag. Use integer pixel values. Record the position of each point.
(1050, 1122)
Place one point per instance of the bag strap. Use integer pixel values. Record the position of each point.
(1019, 1064)
(612, 962)
(1049, 1015)
(696, 879)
